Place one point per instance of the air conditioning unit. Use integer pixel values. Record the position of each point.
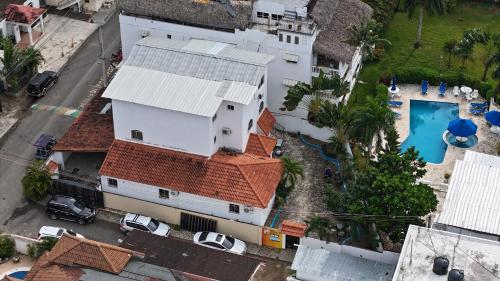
(144, 33)
(226, 131)
(248, 209)
(174, 193)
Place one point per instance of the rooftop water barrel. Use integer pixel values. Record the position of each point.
(440, 266)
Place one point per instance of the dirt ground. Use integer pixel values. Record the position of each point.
(273, 270)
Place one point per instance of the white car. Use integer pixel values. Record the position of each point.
(56, 232)
(137, 222)
(220, 242)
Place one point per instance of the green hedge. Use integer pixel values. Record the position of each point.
(7, 246)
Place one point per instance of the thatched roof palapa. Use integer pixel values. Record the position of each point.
(210, 14)
(335, 19)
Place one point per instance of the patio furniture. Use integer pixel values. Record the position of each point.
(393, 89)
(456, 91)
(394, 103)
(479, 104)
(425, 86)
(477, 110)
(468, 97)
(495, 129)
(442, 89)
(475, 94)
(493, 117)
(466, 90)
(462, 127)
(397, 115)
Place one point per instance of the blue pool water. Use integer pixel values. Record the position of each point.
(428, 121)
(19, 274)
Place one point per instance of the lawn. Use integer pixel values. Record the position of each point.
(436, 30)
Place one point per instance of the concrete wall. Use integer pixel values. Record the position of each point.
(385, 257)
(247, 232)
(22, 243)
(467, 232)
(295, 124)
(93, 5)
(188, 201)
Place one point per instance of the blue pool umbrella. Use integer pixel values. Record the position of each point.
(462, 127)
(393, 83)
(493, 117)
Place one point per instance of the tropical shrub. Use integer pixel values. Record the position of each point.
(37, 249)
(383, 10)
(7, 246)
(415, 75)
(37, 182)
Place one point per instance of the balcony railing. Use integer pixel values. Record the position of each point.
(327, 70)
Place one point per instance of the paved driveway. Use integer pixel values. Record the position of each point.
(16, 150)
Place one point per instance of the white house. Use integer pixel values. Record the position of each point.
(186, 117)
(304, 36)
(472, 203)
(22, 19)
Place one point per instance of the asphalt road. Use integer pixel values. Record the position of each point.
(75, 80)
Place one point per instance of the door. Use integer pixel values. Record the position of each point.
(195, 223)
(291, 242)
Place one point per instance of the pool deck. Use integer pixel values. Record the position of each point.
(435, 172)
(9, 267)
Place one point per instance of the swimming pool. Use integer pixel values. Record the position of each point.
(428, 121)
(19, 274)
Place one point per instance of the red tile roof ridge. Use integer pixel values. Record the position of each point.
(251, 186)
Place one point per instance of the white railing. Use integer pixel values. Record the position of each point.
(327, 70)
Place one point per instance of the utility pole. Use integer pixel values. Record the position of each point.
(103, 59)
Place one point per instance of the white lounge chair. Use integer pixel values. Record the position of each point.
(468, 97)
(456, 91)
(495, 129)
(475, 94)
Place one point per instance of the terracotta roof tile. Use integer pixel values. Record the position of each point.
(260, 145)
(266, 121)
(43, 270)
(293, 228)
(243, 178)
(91, 131)
(22, 14)
(76, 251)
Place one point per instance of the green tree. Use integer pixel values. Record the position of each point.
(18, 63)
(339, 117)
(37, 182)
(321, 226)
(389, 188)
(7, 246)
(494, 56)
(431, 6)
(37, 249)
(292, 170)
(448, 49)
(366, 37)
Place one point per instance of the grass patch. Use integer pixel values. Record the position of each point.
(436, 30)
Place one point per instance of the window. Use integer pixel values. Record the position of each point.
(274, 17)
(112, 182)
(296, 40)
(230, 107)
(136, 135)
(215, 139)
(261, 106)
(289, 39)
(299, 27)
(265, 15)
(215, 117)
(290, 27)
(261, 82)
(213, 244)
(163, 193)
(260, 15)
(169, 36)
(250, 124)
(233, 208)
(280, 37)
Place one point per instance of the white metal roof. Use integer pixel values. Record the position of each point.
(473, 198)
(327, 265)
(481, 158)
(475, 256)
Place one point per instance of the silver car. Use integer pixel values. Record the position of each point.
(137, 222)
(220, 242)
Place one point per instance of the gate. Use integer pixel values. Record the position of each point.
(85, 193)
(195, 223)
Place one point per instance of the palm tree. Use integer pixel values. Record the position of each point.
(431, 6)
(448, 49)
(292, 170)
(339, 117)
(37, 182)
(32, 59)
(18, 63)
(371, 121)
(493, 58)
(464, 51)
(366, 37)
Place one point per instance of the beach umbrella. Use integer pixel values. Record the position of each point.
(393, 83)
(493, 117)
(462, 127)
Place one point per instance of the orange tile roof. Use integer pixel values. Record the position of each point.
(266, 121)
(293, 228)
(91, 131)
(71, 251)
(43, 270)
(243, 178)
(22, 14)
(260, 145)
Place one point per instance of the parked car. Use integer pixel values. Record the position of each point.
(56, 232)
(68, 208)
(41, 83)
(132, 222)
(220, 242)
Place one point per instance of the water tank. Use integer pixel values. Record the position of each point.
(456, 275)
(440, 266)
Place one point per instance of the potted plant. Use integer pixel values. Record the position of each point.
(447, 176)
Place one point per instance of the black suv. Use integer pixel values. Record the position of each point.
(41, 83)
(68, 208)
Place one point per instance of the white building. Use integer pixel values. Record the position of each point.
(463, 256)
(23, 20)
(186, 117)
(472, 203)
(304, 36)
(77, 5)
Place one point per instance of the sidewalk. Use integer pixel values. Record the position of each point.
(285, 255)
(12, 107)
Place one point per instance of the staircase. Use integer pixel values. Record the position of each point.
(290, 15)
(67, 3)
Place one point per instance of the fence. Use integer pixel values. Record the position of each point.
(88, 194)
